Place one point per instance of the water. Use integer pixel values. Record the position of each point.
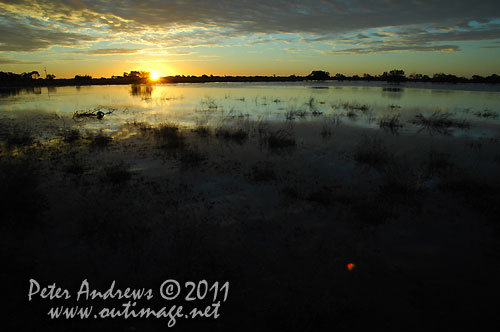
(190, 104)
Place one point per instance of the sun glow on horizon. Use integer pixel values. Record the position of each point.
(154, 76)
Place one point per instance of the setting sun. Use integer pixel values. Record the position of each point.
(154, 76)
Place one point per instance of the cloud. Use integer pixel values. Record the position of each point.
(16, 35)
(8, 61)
(38, 24)
(428, 38)
(401, 48)
(71, 59)
(112, 51)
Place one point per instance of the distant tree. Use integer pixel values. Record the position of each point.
(477, 78)
(318, 75)
(415, 76)
(50, 76)
(30, 76)
(340, 77)
(442, 77)
(395, 75)
(83, 77)
(492, 79)
(367, 77)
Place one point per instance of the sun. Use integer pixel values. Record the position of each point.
(154, 76)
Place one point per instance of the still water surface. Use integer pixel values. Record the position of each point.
(190, 104)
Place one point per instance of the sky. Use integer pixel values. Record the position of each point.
(249, 37)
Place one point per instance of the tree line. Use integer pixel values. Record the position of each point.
(141, 77)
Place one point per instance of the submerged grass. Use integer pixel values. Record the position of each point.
(116, 174)
(281, 139)
(439, 122)
(191, 158)
(202, 130)
(237, 135)
(100, 140)
(437, 163)
(17, 136)
(262, 171)
(372, 152)
(486, 114)
(169, 137)
(71, 136)
(391, 123)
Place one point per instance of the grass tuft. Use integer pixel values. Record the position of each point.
(100, 140)
(117, 174)
(262, 172)
(202, 130)
(237, 135)
(372, 152)
(71, 136)
(281, 139)
(391, 123)
(168, 136)
(439, 122)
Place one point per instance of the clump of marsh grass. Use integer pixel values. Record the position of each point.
(281, 139)
(351, 115)
(486, 114)
(209, 103)
(439, 122)
(116, 174)
(372, 152)
(142, 126)
(75, 166)
(391, 123)
(168, 136)
(292, 114)
(100, 140)
(262, 172)
(312, 105)
(437, 163)
(355, 107)
(202, 130)
(71, 136)
(17, 136)
(234, 127)
(237, 135)
(401, 181)
(327, 128)
(191, 158)
(326, 132)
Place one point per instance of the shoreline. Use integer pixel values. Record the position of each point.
(390, 86)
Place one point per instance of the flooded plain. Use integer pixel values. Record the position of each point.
(275, 187)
